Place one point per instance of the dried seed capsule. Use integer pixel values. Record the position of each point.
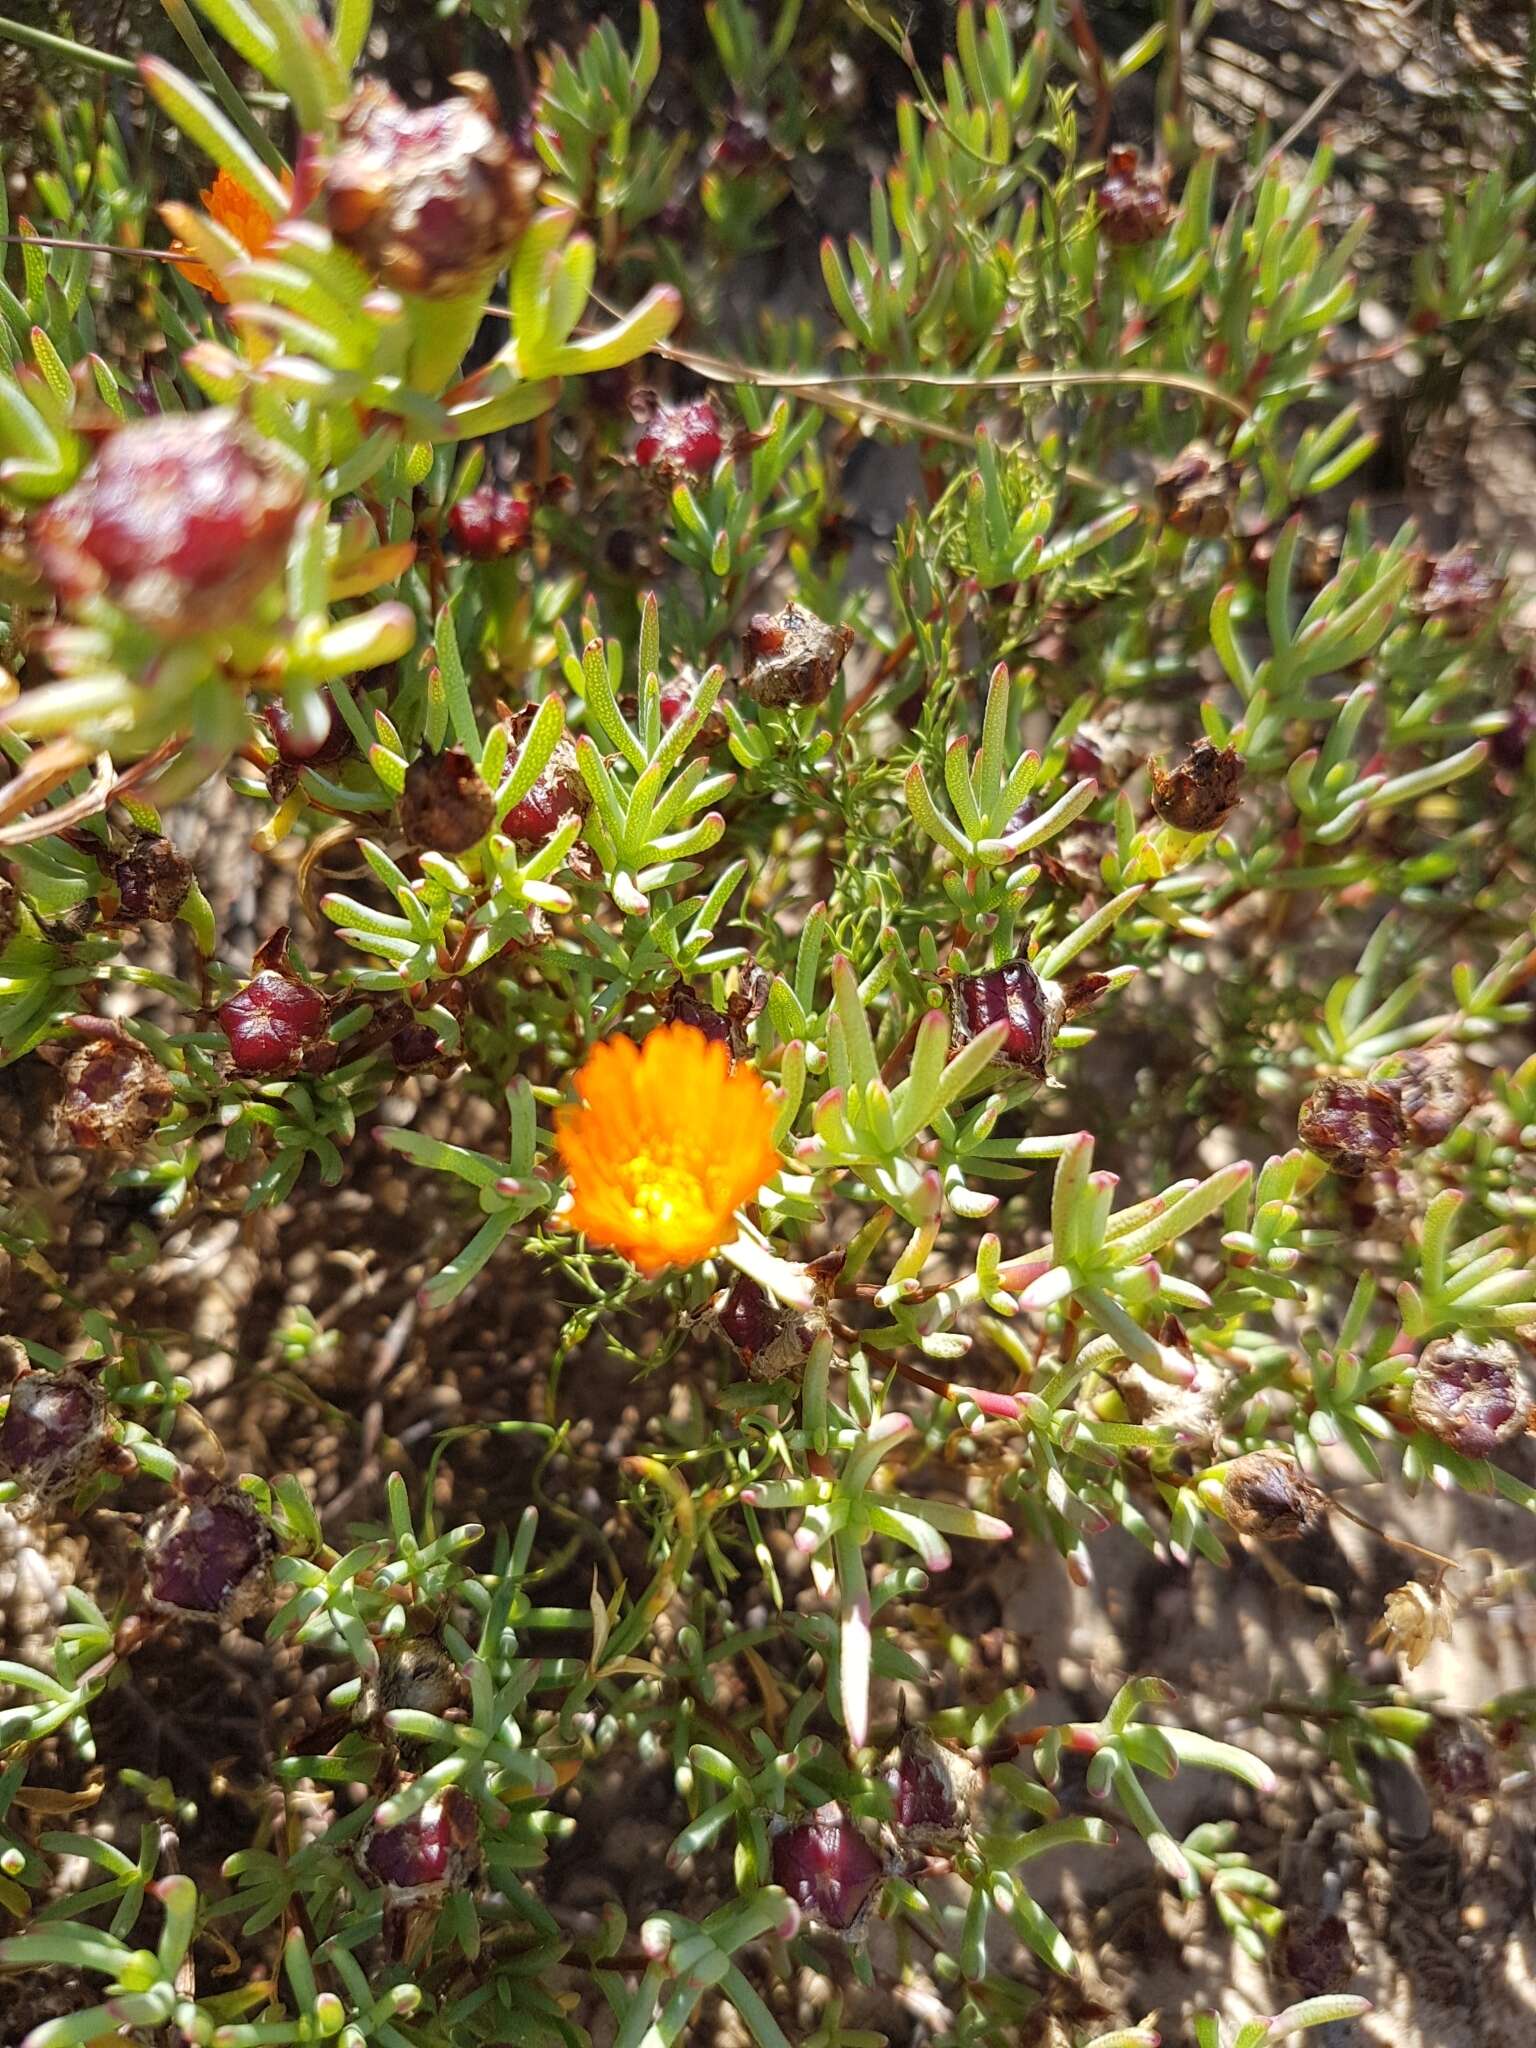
(181, 522)
(933, 1791)
(430, 199)
(1511, 744)
(414, 1672)
(1265, 1495)
(1455, 1763)
(272, 1022)
(1471, 1394)
(152, 879)
(771, 1341)
(1197, 491)
(1460, 591)
(792, 657)
(1316, 1955)
(54, 1434)
(1032, 1008)
(210, 1555)
(1202, 792)
(1354, 1125)
(489, 523)
(445, 805)
(1133, 203)
(1431, 1090)
(435, 1851)
(831, 1870)
(680, 441)
(114, 1094)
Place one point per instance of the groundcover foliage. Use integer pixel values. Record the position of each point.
(810, 934)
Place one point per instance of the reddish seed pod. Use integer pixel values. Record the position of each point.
(490, 523)
(271, 1022)
(1265, 1495)
(334, 746)
(1015, 994)
(54, 1434)
(436, 1850)
(430, 199)
(1201, 792)
(445, 805)
(1431, 1090)
(1470, 1394)
(680, 441)
(1133, 203)
(210, 1556)
(933, 1791)
(152, 879)
(114, 1094)
(559, 793)
(181, 522)
(1355, 1125)
(831, 1870)
(792, 657)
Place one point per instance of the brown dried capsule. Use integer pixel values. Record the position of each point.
(1470, 1394)
(933, 1791)
(1014, 993)
(114, 1094)
(1316, 1955)
(210, 1556)
(771, 1341)
(831, 1870)
(1202, 792)
(437, 1850)
(1431, 1090)
(1266, 1495)
(1354, 1125)
(1197, 491)
(1133, 204)
(54, 1434)
(792, 657)
(181, 522)
(152, 879)
(1454, 1763)
(1460, 591)
(430, 199)
(445, 805)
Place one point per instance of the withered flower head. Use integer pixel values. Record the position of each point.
(1202, 792)
(830, 1868)
(1355, 1125)
(1461, 591)
(445, 804)
(54, 1434)
(430, 199)
(210, 1555)
(933, 1791)
(772, 1342)
(1470, 1394)
(114, 1094)
(436, 1850)
(152, 878)
(792, 657)
(1263, 1494)
(1197, 491)
(1431, 1089)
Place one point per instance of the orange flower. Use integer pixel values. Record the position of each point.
(240, 215)
(668, 1140)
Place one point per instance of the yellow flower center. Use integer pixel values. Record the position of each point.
(664, 1195)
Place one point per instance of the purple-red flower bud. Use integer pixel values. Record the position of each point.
(1133, 203)
(490, 523)
(771, 1341)
(932, 1788)
(681, 440)
(1016, 995)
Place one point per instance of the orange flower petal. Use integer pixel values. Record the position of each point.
(667, 1141)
